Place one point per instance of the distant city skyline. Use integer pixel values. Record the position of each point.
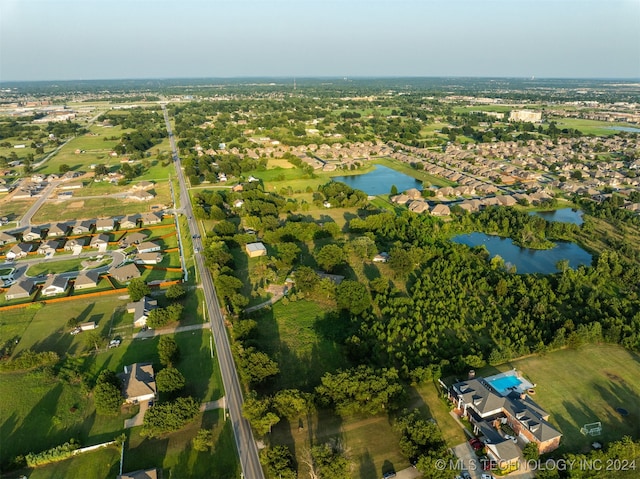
(117, 39)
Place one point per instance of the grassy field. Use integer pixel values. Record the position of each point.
(103, 463)
(55, 267)
(170, 454)
(65, 210)
(590, 127)
(584, 386)
(13, 210)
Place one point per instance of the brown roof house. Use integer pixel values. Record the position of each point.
(141, 474)
(139, 383)
(20, 290)
(6, 238)
(132, 238)
(87, 279)
(124, 274)
(148, 258)
(129, 222)
(147, 247)
(105, 224)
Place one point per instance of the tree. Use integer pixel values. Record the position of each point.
(167, 417)
(101, 170)
(93, 339)
(306, 279)
(292, 403)
(288, 253)
(419, 436)
(167, 350)
(394, 190)
(278, 461)
(257, 412)
(257, 366)
(161, 316)
(175, 292)
(203, 440)
(106, 394)
(401, 262)
(530, 451)
(361, 390)
(169, 379)
(329, 257)
(353, 296)
(63, 168)
(329, 462)
(138, 289)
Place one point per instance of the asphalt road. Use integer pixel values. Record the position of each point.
(251, 468)
(26, 219)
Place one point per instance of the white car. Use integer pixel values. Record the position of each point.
(487, 476)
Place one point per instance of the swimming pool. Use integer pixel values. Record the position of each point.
(504, 384)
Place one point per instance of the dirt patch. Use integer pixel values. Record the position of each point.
(75, 204)
(612, 376)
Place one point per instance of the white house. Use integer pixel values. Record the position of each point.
(55, 285)
(147, 247)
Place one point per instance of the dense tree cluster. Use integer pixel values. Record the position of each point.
(161, 316)
(169, 416)
(107, 395)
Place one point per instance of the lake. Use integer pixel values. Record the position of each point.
(528, 260)
(563, 215)
(379, 181)
(629, 129)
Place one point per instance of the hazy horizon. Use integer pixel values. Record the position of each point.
(76, 40)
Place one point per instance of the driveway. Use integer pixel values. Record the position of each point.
(138, 418)
(150, 333)
(467, 460)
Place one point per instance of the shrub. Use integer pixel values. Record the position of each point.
(55, 454)
(29, 360)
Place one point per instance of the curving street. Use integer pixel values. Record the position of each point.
(245, 443)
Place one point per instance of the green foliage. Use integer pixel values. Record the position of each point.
(161, 316)
(58, 453)
(167, 417)
(530, 451)
(306, 279)
(419, 436)
(329, 462)
(279, 462)
(167, 350)
(342, 195)
(361, 390)
(353, 296)
(291, 403)
(175, 292)
(329, 257)
(107, 394)
(203, 440)
(29, 359)
(258, 413)
(138, 289)
(169, 380)
(256, 366)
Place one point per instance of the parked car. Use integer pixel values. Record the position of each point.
(466, 475)
(114, 343)
(389, 474)
(476, 443)
(487, 476)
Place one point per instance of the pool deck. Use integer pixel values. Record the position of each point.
(522, 387)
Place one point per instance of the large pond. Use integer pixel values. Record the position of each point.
(528, 260)
(379, 181)
(564, 215)
(629, 129)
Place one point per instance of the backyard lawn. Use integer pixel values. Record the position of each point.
(585, 385)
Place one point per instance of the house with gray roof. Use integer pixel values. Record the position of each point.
(71, 244)
(19, 251)
(20, 290)
(87, 279)
(82, 227)
(48, 247)
(57, 229)
(132, 238)
(129, 222)
(32, 233)
(99, 241)
(105, 224)
(6, 238)
(141, 310)
(56, 284)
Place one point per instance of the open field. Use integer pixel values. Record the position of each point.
(177, 460)
(103, 206)
(591, 127)
(279, 163)
(585, 385)
(103, 463)
(13, 210)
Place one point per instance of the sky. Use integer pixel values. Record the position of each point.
(118, 39)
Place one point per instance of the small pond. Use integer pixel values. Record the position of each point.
(528, 260)
(564, 215)
(379, 181)
(628, 129)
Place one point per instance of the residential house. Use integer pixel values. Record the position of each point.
(88, 326)
(140, 474)
(147, 247)
(32, 234)
(419, 206)
(57, 230)
(141, 195)
(87, 279)
(74, 243)
(440, 210)
(124, 274)
(100, 241)
(381, 258)
(82, 227)
(129, 222)
(48, 247)
(139, 383)
(148, 258)
(105, 224)
(143, 185)
(413, 193)
(20, 290)
(56, 284)
(132, 238)
(255, 249)
(141, 310)
(400, 199)
(238, 203)
(19, 251)
(151, 219)
(486, 408)
(6, 238)
(237, 188)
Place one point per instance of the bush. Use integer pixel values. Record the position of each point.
(55, 454)
(169, 416)
(30, 360)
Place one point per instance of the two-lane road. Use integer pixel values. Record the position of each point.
(245, 442)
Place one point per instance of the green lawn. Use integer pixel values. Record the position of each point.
(14, 209)
(590, 127)
(427, 398)
(426, 178)
(177, 460)
(290, 334)
(55, 267)
(103, 463)
(584, 386)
